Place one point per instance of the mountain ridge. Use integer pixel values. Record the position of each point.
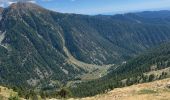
(1, 9)
(37, 44)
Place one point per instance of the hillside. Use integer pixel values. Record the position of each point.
(5, 93)
(43, 49)
(149, 66)
(156, 90)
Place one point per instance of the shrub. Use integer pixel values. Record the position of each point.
(13, 98)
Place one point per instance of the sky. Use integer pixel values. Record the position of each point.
(97, 6)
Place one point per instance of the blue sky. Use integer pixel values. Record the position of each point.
(99, 6)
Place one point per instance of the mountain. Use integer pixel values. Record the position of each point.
(1, 10)
(151, 65)
(39, 47)
(155, 14)
(31, 47)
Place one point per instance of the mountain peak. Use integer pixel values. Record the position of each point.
(25, 5)
(1, 10)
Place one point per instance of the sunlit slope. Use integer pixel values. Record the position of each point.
(157, 90)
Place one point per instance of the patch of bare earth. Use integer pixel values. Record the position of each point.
(5, 93)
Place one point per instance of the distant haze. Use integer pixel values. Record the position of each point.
(97, 6)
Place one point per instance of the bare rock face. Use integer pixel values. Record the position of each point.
(1, 10)
(26, 6)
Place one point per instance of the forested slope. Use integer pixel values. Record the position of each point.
(132, 72)
(34, 41)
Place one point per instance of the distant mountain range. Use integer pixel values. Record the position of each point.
(38, 46)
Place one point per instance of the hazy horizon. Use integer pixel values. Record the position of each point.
(94, 7)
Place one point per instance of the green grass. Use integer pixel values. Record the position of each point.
(1, 97)
(166, 89)
(147, 91)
